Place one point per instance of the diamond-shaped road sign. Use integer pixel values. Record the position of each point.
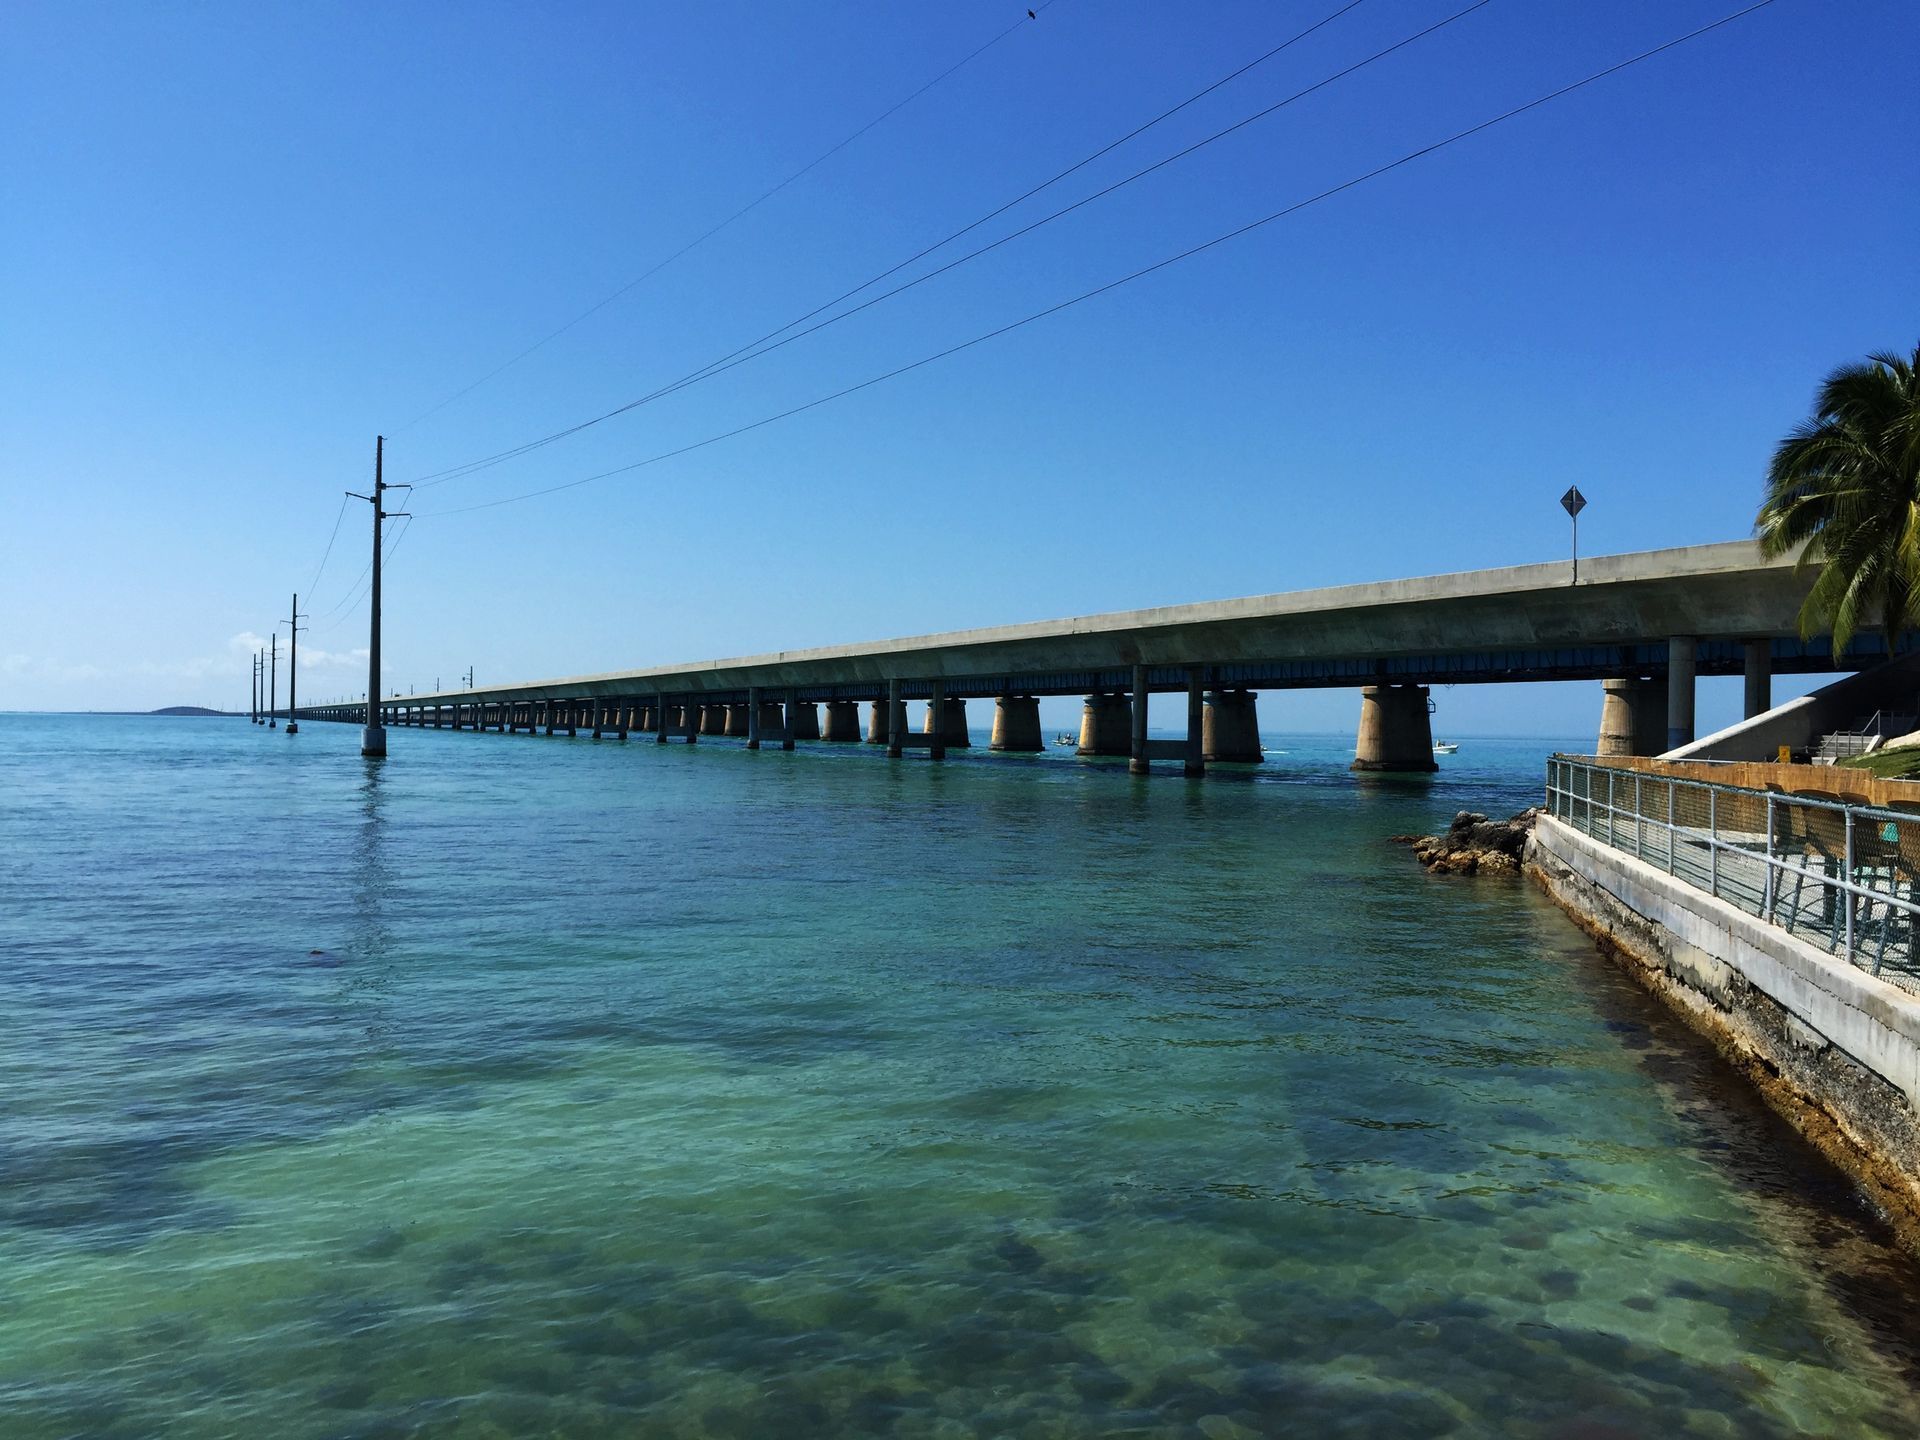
(1573, 502)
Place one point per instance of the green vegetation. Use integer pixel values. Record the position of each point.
(1846, 485)
(1901, 764)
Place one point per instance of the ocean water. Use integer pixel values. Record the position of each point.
(542, 1087)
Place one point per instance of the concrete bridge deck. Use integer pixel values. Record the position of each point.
(1646, 618)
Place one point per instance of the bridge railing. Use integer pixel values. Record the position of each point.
(1844, 877)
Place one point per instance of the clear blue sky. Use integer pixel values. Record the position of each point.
(240, 240)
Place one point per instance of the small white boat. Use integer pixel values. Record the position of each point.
(1073, 740)
(1445, 747)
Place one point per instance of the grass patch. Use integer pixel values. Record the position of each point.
(1901, 764)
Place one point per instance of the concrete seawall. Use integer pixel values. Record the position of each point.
(1833, 1049)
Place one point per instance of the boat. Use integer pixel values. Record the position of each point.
(1445, 747)
(1063, 739)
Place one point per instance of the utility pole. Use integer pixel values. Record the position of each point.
(469, 677)
(293, 667)
(273, 686)
(253, 692)
(373, 737)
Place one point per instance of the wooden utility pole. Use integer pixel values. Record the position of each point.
(293, 667)
(273, 685)
(253, 711)
(373, 737)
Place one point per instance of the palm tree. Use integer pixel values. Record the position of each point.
(1848, 481)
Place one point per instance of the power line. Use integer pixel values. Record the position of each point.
(1158, 265)
(363, 584)
(321, 569)
(744, 210)
(728, 361)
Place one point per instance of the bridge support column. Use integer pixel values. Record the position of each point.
(896, 719)
(755, 712)
(1195, 762)
(597, 712)
(952, 727)
(936, 725)
(713, 719)
(1137, 762)
(1759, 672)
(877, 723)
(1633, 717)
(1106, 726)
(622, 717)
(649, 720)
(1395, 733)
(1682, 666)
(1230, 730)
(843, 722)
(739, 721)
(803, 719)
(1016, 724)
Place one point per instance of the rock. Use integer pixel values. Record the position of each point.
(1474, 845)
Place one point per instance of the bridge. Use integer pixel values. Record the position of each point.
(1646, 623)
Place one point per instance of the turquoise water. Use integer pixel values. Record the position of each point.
(528, 1086)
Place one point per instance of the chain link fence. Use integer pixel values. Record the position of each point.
(1843, 877)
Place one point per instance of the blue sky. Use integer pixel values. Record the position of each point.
(242, 240)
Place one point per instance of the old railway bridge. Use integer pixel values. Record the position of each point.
(1647, 623)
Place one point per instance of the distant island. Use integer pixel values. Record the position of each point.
(189, 710)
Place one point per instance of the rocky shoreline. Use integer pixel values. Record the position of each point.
(1474, 845)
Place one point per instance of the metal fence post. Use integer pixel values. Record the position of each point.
(1713, 843)
(1613, 839)
(1846, 895)
(1639, 814)
(1768, 887)
(1670, 829)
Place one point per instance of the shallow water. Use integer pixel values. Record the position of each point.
(544, 1086)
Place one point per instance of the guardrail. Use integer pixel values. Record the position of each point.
(1844, 877)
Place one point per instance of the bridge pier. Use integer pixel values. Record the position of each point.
(1230, 730)
(843, 722)
(1759, 675)
(952, 726)
(739, 721)
(1395, 733)
(1016, 724)
(803, 719)
(713, 719)
(936, 727)
(1682, 666)
(1633, 717)
(1137, 761)
(1106, 726)
(896, 720)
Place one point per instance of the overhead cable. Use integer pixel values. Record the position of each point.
(743, 211)
(1218, 240)
(729, 360)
